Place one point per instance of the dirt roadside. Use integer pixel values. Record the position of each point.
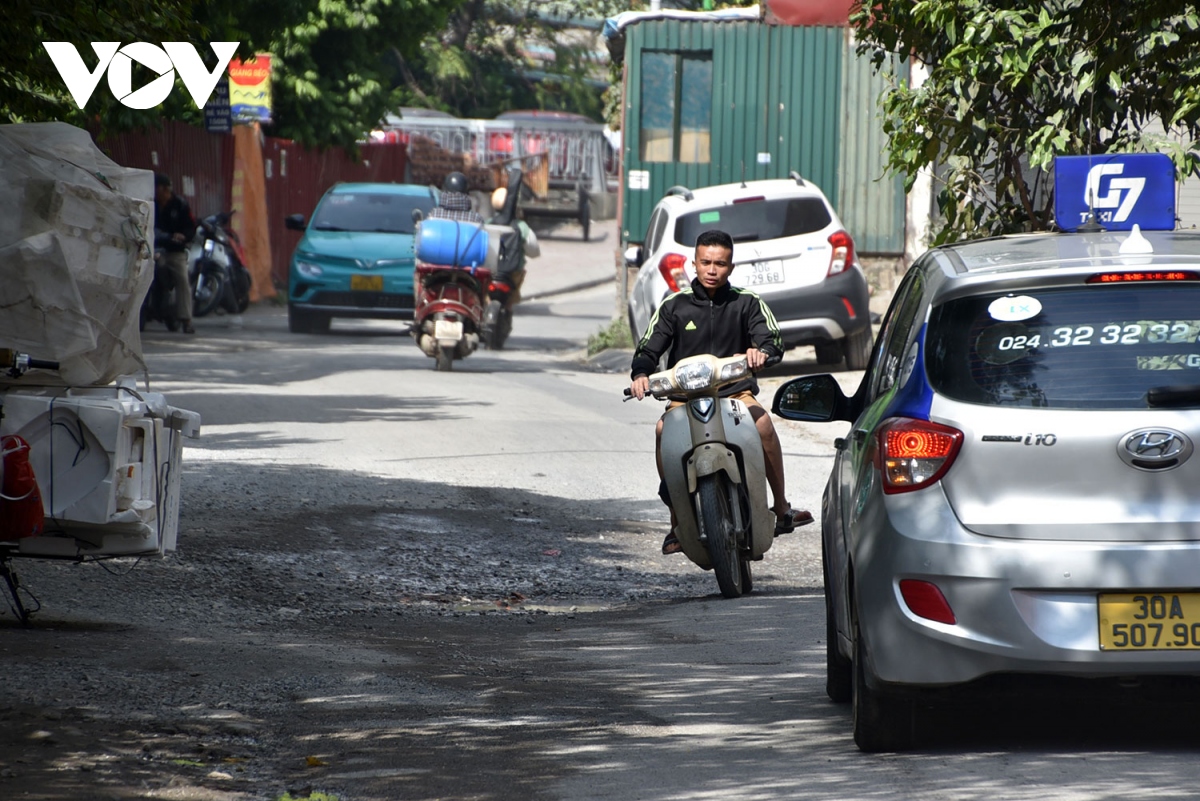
(324, 633)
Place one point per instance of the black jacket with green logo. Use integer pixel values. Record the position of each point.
(689, 323)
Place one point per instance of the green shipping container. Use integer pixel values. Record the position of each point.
(710, 102)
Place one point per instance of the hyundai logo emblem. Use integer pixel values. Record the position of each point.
(1154, 448)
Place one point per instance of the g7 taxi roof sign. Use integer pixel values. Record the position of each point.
(1123, 189)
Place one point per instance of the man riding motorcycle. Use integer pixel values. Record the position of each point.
(713, 316)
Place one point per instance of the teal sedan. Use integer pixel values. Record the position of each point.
(356, 257)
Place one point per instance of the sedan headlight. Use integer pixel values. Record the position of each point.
(696, 375)
(308, 269)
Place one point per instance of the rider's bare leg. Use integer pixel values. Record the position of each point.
(658, 461)
(772, 457)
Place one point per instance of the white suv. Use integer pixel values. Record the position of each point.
(789, 247)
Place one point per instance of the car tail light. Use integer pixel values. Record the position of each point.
(671, 268)
(843, 253)
(926, 600)
(915, 453)
(754, 199)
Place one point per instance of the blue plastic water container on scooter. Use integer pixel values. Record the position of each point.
(451, 242)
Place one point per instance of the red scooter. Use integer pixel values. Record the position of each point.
(451, 289)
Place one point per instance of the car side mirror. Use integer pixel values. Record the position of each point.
(417, 216)
(294, 222)
(633, 256)
(812, 399)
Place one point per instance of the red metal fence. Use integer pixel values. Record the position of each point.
(199, 164)
(201, 168)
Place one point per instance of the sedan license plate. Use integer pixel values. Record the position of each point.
(764, 272)
(366, 283)
(1167, 621)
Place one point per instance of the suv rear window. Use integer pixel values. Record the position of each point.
(755, 220)
(1093, 347)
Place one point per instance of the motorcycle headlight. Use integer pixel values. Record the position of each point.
(735, 370)
(308, 269)
(660, 386)
(697, 375)
(208, 247)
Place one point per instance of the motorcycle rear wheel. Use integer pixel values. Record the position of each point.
(497, 325)
(717, 524)
(445, 360)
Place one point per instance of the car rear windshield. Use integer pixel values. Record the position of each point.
(755, 220)
(369, 211)
(1090, 347)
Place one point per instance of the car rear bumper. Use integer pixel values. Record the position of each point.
(824, 312)
(1020, 606)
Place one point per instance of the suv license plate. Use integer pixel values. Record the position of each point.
(1166, 621)
(366, 283)
(765, 272)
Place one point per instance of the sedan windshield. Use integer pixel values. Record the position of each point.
(1132, 346)
(370, 211)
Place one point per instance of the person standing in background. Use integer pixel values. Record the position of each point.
(174, 227)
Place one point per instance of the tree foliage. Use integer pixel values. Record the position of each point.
(1011, 84)
(334, 73)
(497, 55)
(337, 73)
(31, 89)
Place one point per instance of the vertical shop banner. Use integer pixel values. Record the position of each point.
(250, 89)
(217, 116)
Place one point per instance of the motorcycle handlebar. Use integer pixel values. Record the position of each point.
(15, 363)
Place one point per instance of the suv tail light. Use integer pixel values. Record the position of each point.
(915, 453)
(843, 253)
(671, 268)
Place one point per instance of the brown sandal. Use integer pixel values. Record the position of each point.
(671, 544)
(790, 520)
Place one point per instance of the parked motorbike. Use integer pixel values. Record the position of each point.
(512, 248)
(450, 288)
(21, 509)
(218, 272)
(713, 467)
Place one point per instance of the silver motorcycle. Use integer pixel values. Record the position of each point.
(713, 467)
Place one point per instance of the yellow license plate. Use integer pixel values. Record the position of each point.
(1143, 621)
(366, 283)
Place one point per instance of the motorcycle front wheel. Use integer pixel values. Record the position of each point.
(716, 520)
(210, 288)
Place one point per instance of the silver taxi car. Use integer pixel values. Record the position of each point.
(1017, 492)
